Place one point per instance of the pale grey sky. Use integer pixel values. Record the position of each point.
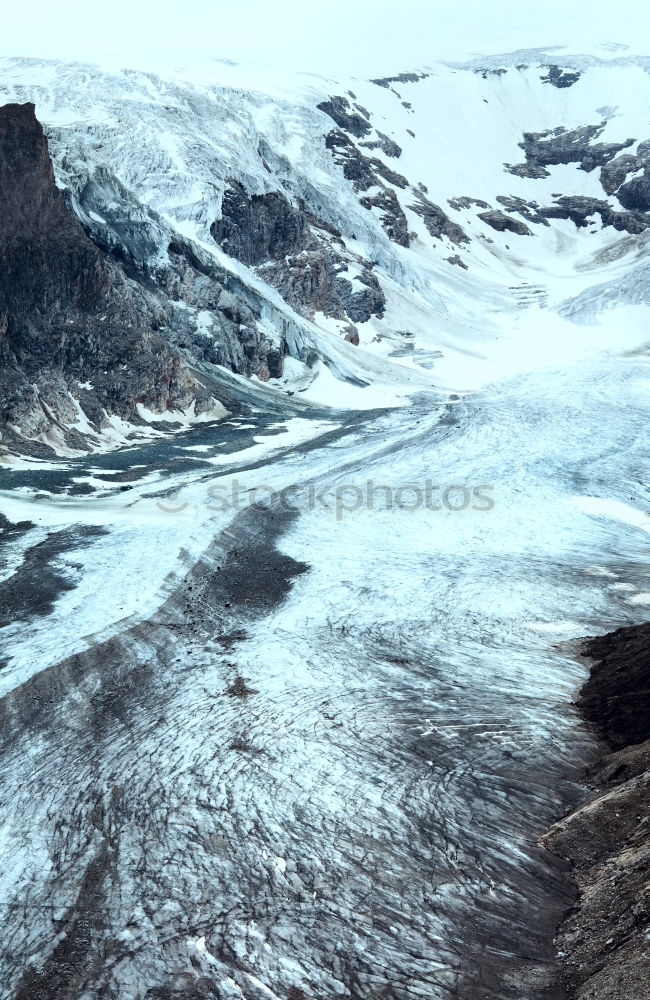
(363, 36)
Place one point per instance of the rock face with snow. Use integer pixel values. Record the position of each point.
(560, 145)
(304, 258)
(81, 341)
(198, 224)
(504, 223)
(560, 78)
(67, 312)
(260, 228)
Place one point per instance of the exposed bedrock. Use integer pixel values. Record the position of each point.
(604, 940)
(317, 281)
(211, 315)
(560, 145)
(560, 78)
(437, 222)
(391, 214)
(364, 171)
(581, 210)
(614, 173)
(502, 223)
(338, 109)
(103, 306)
(613, 176)
(385, 81)
(372, 175)
(529, 209)
(260, 227)
(487, 71)
(465, 202)
(616, 698)
(635, 194)
(388, 146)
(67, 313)
(306, 261)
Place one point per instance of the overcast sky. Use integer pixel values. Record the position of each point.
(362, 36)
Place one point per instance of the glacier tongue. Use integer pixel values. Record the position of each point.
(305, 746)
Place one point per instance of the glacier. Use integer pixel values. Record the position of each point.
(255, 749)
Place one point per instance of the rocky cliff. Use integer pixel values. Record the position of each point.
(98, 329)
(304, 258)
(604, 939)
(69, 318)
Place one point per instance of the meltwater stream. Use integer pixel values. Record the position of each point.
(319, 765)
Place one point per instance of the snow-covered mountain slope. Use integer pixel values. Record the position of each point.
(428, 229)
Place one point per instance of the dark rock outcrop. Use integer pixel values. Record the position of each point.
(502, 223)
(388, 174)
(392, 215)
(581, 210)
(316, 281)
(603, 940)
(635, 194)
(388, 146)
(364, 171)
(369, 172)
(68, 315)
(305, 260)
(560, 145)
(486, 71)
(385, 81)
(103, 306)
(560, 77)
(614, 172)
(528, 209)
(530, 170)
(356, 167)
(364, 302)
(613, 176)
(338, 109)
(192, 288)
(464, 202)
(436, 220)
(616, 698)
(260, 227)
